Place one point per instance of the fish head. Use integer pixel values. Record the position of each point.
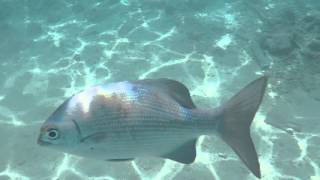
(77, 123)
(59, 131)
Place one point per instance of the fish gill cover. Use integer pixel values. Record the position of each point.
(50, 50)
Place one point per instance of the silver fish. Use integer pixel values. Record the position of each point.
(125, 120)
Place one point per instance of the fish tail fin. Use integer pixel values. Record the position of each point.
(238, 114)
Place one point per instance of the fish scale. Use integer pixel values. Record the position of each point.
(154, 122)
(151, 111)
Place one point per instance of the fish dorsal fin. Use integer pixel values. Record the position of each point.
(186, 153)
(174, 89)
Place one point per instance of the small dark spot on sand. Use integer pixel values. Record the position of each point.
(76, 57)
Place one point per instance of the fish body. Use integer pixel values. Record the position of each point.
(131, 119)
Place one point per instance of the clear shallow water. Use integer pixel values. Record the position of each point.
(50, 50)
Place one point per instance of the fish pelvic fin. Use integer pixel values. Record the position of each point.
(234, 128)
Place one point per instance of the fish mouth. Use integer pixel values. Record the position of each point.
(41, 142)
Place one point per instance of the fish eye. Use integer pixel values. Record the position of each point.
(52, 134)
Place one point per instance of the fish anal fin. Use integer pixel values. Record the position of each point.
(186, 153)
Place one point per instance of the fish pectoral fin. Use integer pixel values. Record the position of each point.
(95, 137)
(186, 153)
(120, 160)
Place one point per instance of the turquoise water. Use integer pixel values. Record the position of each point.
(50, 50)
